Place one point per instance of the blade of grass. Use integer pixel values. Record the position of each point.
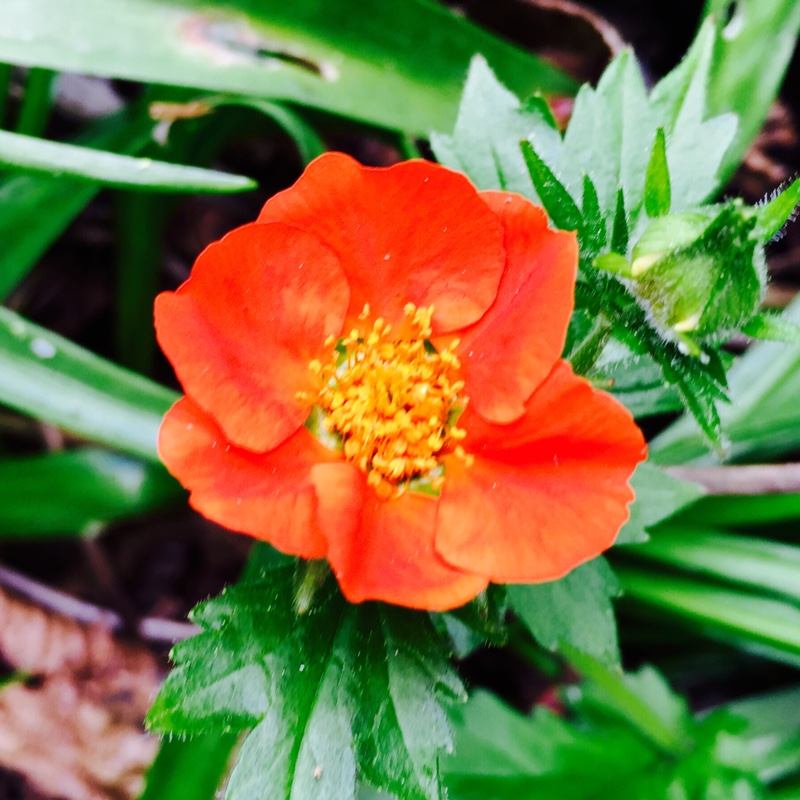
(189, 769)
(765, 625)
(140, 222)
(5, 87)
(56, 381)
(757, 563)
(395, 65)
(77, 492)
(35, 209)
(36, 102)
(111, 169)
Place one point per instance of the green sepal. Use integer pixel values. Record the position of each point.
(657, 191)
(777, 212)
(708, 283)
(557, 201)
(772, 328)
(620, 231)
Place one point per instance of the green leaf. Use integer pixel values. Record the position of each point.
(593, 230)
(78, 491)
(502, 755)
(603, 748)
(575, 611)
(35, 210)
(189, 770)
(340, 693)
(558, 203)
(760, 564)
(767, 626)
(44, 157)
(772, 327)
(620, 229)
(772, 216)
(308, 143)
(395, 65)
(489, 153)
(658, 497)
(54, 380)
(763, 420)
(705, 285)
(657, 193)
(636, 381)
(751, 56)
(696, 146)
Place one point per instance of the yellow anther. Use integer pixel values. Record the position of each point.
(390, 401)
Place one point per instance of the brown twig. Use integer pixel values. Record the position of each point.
(746, 480)
(152, 629)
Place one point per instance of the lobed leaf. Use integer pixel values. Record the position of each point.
(335, 695)
(574, 611)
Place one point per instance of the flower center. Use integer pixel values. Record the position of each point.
(393, 403)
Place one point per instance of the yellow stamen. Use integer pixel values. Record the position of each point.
(391, 401)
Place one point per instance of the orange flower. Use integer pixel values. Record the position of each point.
(372, 376)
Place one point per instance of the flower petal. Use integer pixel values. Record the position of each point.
(268, 496)
(383, 549)
(544, 494)
(513, 347)
(242, 330)
(415, 232)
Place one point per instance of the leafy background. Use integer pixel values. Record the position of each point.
(135, 132)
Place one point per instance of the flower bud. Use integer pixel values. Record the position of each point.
(699, 278)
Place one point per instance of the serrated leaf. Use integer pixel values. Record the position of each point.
(636, 380)
(774, 215)
(339, 694)
(657, 192)
(658, 497)
(773, 328)
(574, 611)
(599, 749)
(485, 142)
(696, 146)
(763, 419)
(557, 201)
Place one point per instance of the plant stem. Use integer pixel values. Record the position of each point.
(5, 88)
(36, 102)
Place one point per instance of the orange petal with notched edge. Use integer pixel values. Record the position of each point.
(513, 347)
(242, 330)
(268, 496)
(545, 493)
(383, 549)
(415, 232)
